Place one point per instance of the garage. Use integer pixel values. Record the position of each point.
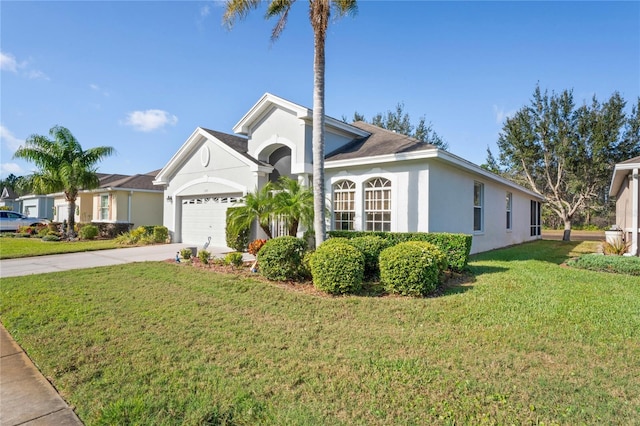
(204, 217)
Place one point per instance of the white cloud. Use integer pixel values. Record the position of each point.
(37, 75)
(8, 62)
(204, 11)
(97, 88)
(150, 120)
(8, 168)
(501, 114)
(9, 140)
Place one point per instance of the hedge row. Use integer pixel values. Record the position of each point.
(340, 265)
(456, 247)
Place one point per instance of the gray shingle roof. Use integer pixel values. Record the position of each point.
(129, 182)
(632, 160)
(238, 143)
(8, 194)
(379, 142)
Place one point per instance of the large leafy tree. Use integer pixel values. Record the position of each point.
(400, 121)
(319, 14)
(62, 166)
(567, 153)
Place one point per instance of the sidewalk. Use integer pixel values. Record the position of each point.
(26, 397)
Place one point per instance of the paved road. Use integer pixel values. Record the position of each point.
(90, 259)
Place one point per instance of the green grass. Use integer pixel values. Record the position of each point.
(11, 248)
(629, 265)
(527, 341)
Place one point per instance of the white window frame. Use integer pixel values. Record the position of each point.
(377, 204)
(478, 207)
(509, 206)
(102, 207)
(344, 205)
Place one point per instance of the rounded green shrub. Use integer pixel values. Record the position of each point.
(412, 268)
(51, 237)
(88, 232)
(305, 272)
(186, 253)
(370, 246)
(160, 234)
(280, 258)
(204, 256)
(337, 268)
(233, 259)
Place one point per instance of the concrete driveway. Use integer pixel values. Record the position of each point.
(91, 259)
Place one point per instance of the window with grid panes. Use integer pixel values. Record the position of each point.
(344, 209)
(104, 207)
(377, 205)
(478, 207)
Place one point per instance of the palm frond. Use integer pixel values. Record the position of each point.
(237, 9)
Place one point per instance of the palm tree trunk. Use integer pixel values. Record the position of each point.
(319, 19)
(71, 218)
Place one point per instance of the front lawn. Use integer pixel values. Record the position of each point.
(527, 341)
(11, 248)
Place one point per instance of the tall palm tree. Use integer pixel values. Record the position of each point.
(63, 166)
(319, 13)
(293, 203)
(257, 206)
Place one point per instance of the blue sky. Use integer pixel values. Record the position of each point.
(142, 75)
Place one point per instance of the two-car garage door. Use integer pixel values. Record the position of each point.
(204, 217)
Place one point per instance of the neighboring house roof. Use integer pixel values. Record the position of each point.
(379, 142)
(620, 172)
(135, 182)
(8, 194)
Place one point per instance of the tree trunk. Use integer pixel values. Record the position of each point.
(71, 219)
(567, 230)
(319, 22)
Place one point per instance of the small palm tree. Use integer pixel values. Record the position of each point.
(256, 205)
(294, 204)
(63, 166)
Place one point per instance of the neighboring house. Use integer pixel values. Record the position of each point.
(375, 180)
(37, 206)
(8, 198)
(626, 189)
(118, 199)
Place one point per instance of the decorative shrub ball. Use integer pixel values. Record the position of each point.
(412, 268)
(337, 268)
(280, 258)
(370, 246)
(88, 232)
(233, 259)
(160, 234)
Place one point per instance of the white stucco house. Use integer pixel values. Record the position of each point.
(626, 190)
(375, 180)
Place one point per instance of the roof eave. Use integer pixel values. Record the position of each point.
(620, 172)
(434, 153)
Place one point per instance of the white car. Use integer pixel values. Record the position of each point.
(12, 221)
